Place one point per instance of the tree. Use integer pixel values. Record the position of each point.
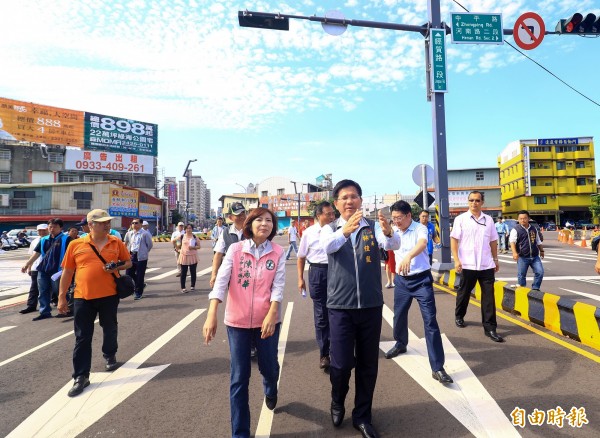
(595, 207)
(175, 217)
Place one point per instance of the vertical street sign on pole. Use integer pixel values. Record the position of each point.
(437, 58)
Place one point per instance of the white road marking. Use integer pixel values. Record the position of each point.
(63, 416)
(3, 329)
(152, 269)
(560, 258)
(174, 271)
(265, 421)
(583, 294)
(14, 300)
(39, 347)
(466, 399)
(556, 278)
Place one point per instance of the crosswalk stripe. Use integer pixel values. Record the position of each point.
(3, 329)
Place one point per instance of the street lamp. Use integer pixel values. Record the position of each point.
(244, 188)
(186, 174)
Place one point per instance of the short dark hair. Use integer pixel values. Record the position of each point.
(401, 206)
(56, 221)
(477, 191)
(523, 212)
(255, 214)
(424, 211)
(74, 228)
(346, 183)
(320, 206)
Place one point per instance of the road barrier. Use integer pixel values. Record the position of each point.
(578, 321)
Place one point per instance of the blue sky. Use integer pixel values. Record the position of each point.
(250, 104)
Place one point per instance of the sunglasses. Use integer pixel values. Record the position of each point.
(135, 223)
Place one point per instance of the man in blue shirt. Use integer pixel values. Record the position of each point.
(52, 250)
(432, 236)
(502, 230)
(413, 280)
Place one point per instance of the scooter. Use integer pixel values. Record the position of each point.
(5, 244)
(10, 243)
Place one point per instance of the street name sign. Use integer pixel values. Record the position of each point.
(437, 57)
(476, 28)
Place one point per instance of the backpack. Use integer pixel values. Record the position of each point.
(595, 241)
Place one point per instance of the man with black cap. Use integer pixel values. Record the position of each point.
(237, 215)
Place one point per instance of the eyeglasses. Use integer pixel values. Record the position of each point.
(135, 223)
(474, 200)
(398, 218)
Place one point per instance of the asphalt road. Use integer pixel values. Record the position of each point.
(170, 384)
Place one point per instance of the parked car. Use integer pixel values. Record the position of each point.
(580, 225)
(549, 226)
(511, 223)
(31, 233)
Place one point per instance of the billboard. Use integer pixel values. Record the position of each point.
(108, 162)
(116, 134)
(32, 122)
(123, 202)
(26, 121)
(149, 211)
(172, 196)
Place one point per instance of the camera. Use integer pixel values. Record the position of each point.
(112, 265)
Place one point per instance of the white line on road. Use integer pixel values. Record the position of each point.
(583, 294)
(466, 399)
(3, 329)
(63, 416)
(560, 258)
(265, 421)
(152, 269)
(174, 271)
(557, 278)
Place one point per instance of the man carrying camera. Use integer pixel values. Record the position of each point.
(95, 294)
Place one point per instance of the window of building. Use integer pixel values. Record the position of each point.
(55, 157)
(580, 181)
(4, 154)
(560, 165)
(20, 204)
(92, 178)
(533, 182)
(83, 204)
(507, 203)
(264, 193)
(579, 164)
(4, 177)
(143, 198)
(82, 195)
(280, 191)
(540, 200)
(24, 194)
(479, 175)
(68, 177)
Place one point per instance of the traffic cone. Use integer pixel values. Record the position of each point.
(583, 242)
(560, 233)
(571, 238)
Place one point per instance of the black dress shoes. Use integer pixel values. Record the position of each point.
(441, 376)
(27, 310)
(460, 322)
(271, 402)
(366, 430)
(325, 363)
(42, 316)
(111, 363)
(81, 382)
(337, 414)
(64, 315)
(395, 351)
(494, 336)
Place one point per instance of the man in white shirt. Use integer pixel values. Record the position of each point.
(311, 250)
(413, 280)
(292, 238)
(474, 244)
(176, 241)
(217, 231)
(235, 233)
(32, 299)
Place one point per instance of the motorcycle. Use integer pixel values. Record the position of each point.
(6, 246)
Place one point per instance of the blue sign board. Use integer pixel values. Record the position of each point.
(557, 141)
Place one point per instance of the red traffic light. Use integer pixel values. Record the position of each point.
(572, 22)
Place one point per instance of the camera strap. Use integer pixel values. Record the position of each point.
(102, 258)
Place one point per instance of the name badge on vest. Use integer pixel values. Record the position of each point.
(270, 265)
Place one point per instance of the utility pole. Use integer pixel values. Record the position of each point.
(298, 196)
(186, 174)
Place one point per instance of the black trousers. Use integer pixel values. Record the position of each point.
(138, 273)
(488, 304)
(85, 312)
(184, 270)
(32, 299)
(354, 339)
(317, 284)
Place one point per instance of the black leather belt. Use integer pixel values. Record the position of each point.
(133, 252)
(318, 265)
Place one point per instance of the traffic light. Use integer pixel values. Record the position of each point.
(578, 25)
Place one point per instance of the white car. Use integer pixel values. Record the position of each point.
(31, 233)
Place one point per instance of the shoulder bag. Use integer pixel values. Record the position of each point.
(125, 284)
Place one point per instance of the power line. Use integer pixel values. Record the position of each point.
(541, 66)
